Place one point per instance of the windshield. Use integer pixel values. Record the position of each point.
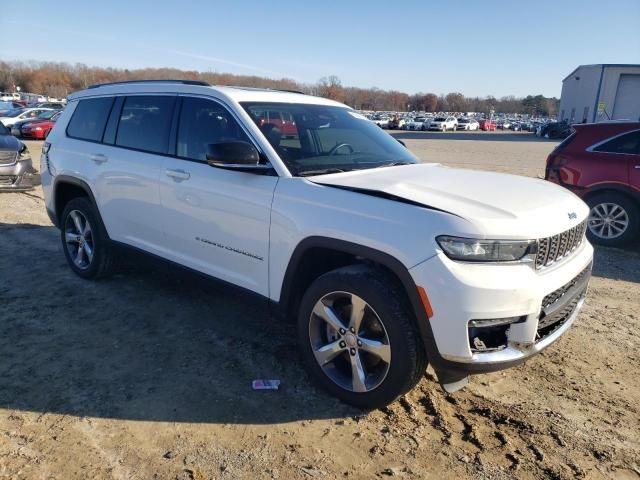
(327, 138)
(47, 115)
(15, 112)
(463, 120)
(440, 119)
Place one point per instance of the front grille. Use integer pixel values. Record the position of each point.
(552, 249)
(7, 157)
(549, 324)
(556, 295)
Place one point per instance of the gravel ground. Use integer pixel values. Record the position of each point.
(148, 374)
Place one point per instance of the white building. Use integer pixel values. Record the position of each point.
(595, 93)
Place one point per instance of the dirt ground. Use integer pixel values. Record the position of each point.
(148, 375)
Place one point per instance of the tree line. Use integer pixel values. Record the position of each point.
(58, 80)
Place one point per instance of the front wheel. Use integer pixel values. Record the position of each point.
(613, 220)
(357, 337)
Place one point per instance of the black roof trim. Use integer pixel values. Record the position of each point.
(126, 82)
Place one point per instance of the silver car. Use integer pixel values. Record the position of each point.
(16, 169)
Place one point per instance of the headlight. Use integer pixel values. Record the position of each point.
(474, 250)
(24, 154)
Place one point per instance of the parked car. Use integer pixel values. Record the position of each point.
(419, 123)
(16, 128)
(487, 125)
(396, 123)
(600, 162)
(381, 120)
(443, 124)
(16, 168)
(386, 263)
(19, 114)
(8, 106)
(287, 126)
(40, 129)
(467, 124)
(56, 105)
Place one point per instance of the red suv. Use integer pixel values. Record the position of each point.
(600, 162)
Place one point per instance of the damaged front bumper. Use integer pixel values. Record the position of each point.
(18, 176)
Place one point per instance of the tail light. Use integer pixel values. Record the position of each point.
(555, 160)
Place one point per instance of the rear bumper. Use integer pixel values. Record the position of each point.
(18, 177)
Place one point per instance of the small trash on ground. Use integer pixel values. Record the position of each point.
(261, 384)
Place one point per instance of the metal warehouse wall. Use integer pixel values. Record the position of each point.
(615, 89)
(620, 93)
(579, 91)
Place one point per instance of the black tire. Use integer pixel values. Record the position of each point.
(625, 203)
(382, 293)
(102, 263)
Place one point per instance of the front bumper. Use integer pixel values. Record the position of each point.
(18, 177)
(461, 292)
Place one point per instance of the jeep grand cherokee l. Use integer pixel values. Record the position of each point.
(384, 262)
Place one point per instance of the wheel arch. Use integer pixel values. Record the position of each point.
(618, 188)
(317, 255)
(66, 188)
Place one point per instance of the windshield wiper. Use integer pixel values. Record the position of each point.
(395, 164)
(325, 171)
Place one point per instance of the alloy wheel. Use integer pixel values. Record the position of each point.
(608, 220)
(349, 342)
(79, 239)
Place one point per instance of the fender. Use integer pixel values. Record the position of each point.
(634, 193)
(78, 183)
(395, 266)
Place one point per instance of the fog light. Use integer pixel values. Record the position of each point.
(490, 334)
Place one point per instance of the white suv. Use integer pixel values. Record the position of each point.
(384, 262)
(444, 123)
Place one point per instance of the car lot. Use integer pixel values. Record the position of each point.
(149, 373)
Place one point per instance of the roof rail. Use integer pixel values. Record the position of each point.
(125, 82)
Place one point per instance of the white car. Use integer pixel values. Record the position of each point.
(20, 114)
(385, 263)
(467, 124)
(419, 123)
(444, 123)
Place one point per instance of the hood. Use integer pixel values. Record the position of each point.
(496, 204)
(9, 142)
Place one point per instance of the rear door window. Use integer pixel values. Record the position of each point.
(145, 123)
(89, 119)
(629, 144)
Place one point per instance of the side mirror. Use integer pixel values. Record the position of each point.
(235, 156)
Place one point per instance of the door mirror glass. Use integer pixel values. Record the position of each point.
(232, 154)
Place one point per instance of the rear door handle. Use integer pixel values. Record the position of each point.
(637, 166)
(178, 175)
(98, 158)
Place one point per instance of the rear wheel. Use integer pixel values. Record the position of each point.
(84, 240)
(614, 219)
(357, 338)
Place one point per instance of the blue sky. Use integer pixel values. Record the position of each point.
(478, 48)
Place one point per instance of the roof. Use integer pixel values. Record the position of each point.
(603, 65)
(234, 94)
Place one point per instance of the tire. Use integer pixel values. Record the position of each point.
(386, 325)
(623, 215)
(97, 261)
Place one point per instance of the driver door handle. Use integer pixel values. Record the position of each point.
(178, 175)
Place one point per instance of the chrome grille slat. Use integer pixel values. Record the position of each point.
(555, 248)
(8, 157)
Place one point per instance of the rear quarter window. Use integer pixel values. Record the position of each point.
(89, 119)
(628, 143)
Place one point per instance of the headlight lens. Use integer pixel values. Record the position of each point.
(474, 250)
